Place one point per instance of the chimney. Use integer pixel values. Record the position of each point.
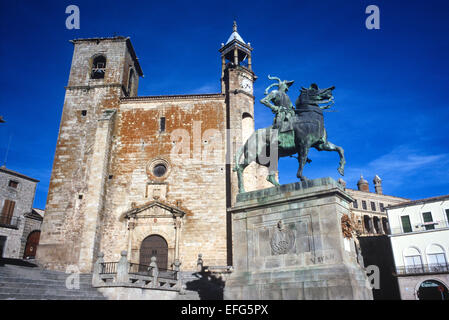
(363, 184)
(378, 184)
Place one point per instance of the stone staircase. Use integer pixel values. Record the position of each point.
(27, 283)
(24, 282)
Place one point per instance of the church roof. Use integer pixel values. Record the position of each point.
(234, 35)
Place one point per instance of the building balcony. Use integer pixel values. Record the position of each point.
(422, 269)
(428, 226)
(9, 222)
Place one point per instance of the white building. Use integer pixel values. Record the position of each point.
(368, 214)
(420, 243)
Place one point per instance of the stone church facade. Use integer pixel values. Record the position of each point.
(151, 175)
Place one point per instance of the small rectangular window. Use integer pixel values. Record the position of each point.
(447, 214)
(355, 204)
(406, 225)
(83, 113)
(381, 206)
(427, 217)
(7, 212)
(13, 184)
(373, 206)
(364, 204)
(162, 124)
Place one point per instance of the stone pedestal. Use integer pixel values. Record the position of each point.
(288, 244)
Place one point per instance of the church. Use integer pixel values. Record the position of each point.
(150, 175)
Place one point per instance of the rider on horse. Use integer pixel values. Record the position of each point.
(296, 130)
(279, 102)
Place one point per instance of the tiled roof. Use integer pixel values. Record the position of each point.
(15, 173)
(420, 201)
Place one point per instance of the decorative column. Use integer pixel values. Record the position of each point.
(131, 225)
(98, 268)
(177, 232)
(123, 268)
(236, 56)
(154, 272)
(387, 226)
(223, 66)
(199, 263)
(381, 227)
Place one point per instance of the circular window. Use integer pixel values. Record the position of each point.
(159, 170)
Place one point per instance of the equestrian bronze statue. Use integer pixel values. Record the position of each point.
(294, 131)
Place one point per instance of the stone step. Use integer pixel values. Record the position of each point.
(40, 277)
(49, 291)
(189, 295)
(40, 281)
(33, 273)
(6, 296)
(24, 283)
(37, 278)
(32, 284)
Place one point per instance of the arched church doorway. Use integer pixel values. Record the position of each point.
(31, 245)
(156, 246)
(432, 290)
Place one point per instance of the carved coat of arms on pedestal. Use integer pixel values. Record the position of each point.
(282, 240)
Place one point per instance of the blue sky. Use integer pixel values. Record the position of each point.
(391, 92)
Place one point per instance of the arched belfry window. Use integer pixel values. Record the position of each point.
(247, 125)
(98, 67)
(131, 81)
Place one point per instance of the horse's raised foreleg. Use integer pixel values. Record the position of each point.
(329, 146)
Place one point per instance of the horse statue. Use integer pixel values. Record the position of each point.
(294, 131)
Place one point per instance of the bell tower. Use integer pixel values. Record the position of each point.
(237, 80)
(103, 70)
(237, 53)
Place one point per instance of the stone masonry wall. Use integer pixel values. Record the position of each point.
(23, 196)
(195, 181)
(64, 219)
(100, 174)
